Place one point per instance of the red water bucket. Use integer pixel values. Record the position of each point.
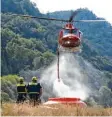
(67, 100)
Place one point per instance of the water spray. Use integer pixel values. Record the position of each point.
(72, 79)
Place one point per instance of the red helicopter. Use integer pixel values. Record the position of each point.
(69, 39)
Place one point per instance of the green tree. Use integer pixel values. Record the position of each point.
(48, 57)
(105, 96)
(5, 97)
(8, 87)
(19, 7)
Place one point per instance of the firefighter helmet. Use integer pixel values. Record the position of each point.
(21, 79)
(34, 78)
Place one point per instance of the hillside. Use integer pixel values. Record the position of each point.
(19, 7)
(29, 45)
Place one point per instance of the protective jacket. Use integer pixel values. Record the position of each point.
(21, 88)
(34, 88)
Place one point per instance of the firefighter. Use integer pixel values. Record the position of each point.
(21, 90)
(34, 90)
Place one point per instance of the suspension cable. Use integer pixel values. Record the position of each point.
(58, 65)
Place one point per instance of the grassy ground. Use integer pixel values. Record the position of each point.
(11, 109)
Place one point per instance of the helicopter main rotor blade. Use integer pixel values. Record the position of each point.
(36, 17)
(55, 19)
(89, 21)
(73, 15)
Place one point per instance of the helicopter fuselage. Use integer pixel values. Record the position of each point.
(69, 37)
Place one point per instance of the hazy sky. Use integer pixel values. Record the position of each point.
(102, 8)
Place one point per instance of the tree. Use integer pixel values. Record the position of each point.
(8, 87)
(90, 102)
(105, 96)
(110, 85)
(5, 97)
(19, 7)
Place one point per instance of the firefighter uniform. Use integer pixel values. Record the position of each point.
(34, 90)
(21, 90)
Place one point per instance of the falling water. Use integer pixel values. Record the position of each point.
(72, 79)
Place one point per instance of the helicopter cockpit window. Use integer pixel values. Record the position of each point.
(66, 31)
(72, 31)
